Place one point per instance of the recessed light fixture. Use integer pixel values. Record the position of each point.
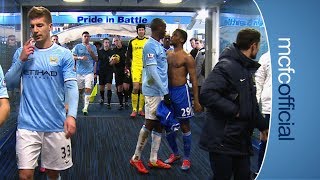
(170, 1)
(202, 14)
(73, 1)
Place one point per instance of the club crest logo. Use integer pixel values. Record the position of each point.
(53, 60)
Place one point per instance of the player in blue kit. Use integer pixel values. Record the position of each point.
(85, 54)
(181, 64)
(48, 81)
(4, 102)
(154, 88)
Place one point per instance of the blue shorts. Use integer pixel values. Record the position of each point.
(181, 101)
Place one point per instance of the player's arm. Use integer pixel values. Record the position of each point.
(152, 71)
(76, 55)
(71, 94)
(4, 102)
(72, 97)
(199, 61)
(93, 52)
(129, 54)
(149, 54)
(4, 110)
(70, 85)
(21, 55)
(260, 78)
(191, 68)
(214, 88)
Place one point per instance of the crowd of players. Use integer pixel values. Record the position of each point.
(158, 75)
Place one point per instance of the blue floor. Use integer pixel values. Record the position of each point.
(103, 144)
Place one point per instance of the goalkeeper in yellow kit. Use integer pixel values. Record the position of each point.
(134, 55)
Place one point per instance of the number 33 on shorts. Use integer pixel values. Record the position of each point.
(66, 153)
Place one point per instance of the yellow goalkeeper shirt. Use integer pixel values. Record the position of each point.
(135, 51)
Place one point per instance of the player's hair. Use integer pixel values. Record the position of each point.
(105, 39)
(54, 36)
(246, 37)
(140, 26)
(85, 32)
(193, 39)
(183, 34)
(38, 12)
(97, 43)
(156, 23)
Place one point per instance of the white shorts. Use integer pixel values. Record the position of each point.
(55, 150)
(151, 105)
(85, 81)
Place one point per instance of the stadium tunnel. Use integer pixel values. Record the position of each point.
(99, 136)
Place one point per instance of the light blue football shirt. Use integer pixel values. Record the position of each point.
(84, 67)
(16, 55)
(154, 55)
(43, 93)
(3, 88)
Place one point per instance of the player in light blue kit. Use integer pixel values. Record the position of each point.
(154, 88)
(4, 102)
(85, 55)
(48, 81)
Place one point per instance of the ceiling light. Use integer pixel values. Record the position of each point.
(73, 1)
(170, 1)
(202, 14)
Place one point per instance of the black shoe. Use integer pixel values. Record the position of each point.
(120, 107)
(101, 101)
(126, 105)
(108, 106)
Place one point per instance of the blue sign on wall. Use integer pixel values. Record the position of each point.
(91, 19)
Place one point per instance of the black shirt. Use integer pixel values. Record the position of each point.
(104, 57)
(122, 53)
(194, 53)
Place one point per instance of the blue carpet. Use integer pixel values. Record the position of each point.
(103, 144)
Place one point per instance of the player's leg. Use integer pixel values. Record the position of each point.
(152, 123)
(109, 86)
(80, 82)
(28, 148)
(241, 167)
(102, 84)
(221, 165)
(182, 106)
(126, 87)
(136, 80)
(134, 99)
(186, 135)
(136, 161)
(262, 146)
(56, 154)
(119, 83)
(171, 139)
(88, 88)
(141, 101)
(141, 97)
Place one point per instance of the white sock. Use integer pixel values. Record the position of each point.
(86, 100)
(156, 140)
(142, 140)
